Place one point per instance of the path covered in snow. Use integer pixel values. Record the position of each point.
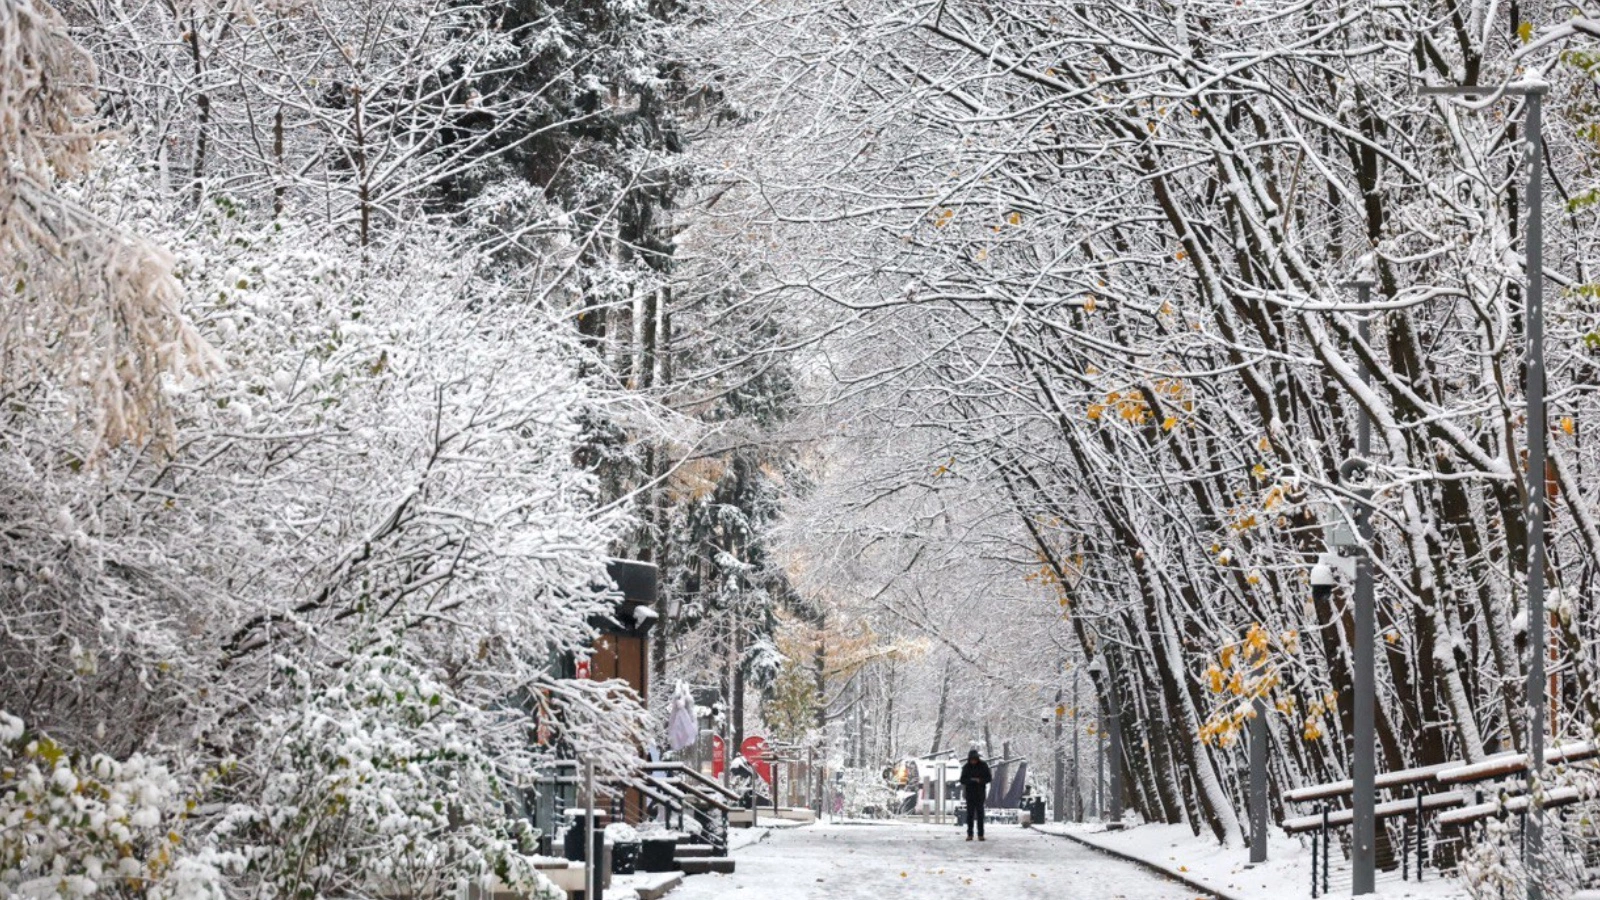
(925, 862)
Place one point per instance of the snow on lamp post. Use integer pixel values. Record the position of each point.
(1532, 91)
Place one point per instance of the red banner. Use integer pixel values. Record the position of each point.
(716, 756)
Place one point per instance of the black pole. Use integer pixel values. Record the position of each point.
(1325, 848)
(1314, 867)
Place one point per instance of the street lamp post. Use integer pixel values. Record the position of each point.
(1532, 93)
(1258, 778)
(1099, 770)
(1059, 795)
(1077, 772)
(1355, 474)
(1106, 680)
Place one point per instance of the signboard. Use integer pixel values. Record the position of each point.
(716, 756)
(754, 749)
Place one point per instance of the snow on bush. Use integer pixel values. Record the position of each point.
(73, 823)
(865, 794)
(339, 590)
(1492, 864)
(377, 781)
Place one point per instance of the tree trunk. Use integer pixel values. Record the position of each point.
(944, 701)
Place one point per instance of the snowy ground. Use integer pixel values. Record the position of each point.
(1285, 876)
(925, 862)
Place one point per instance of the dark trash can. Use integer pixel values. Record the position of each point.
(1036, 810)
(961, 816)
(655, 854)
(572, 843)
(624, 857)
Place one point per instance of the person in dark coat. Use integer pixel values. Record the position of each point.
(975, 778)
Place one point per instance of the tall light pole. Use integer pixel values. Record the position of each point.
(1106, 680)
(1099, 769)
(1532, 93)
(1258, 776)
(1077, 772)
(1059, 795)
(1355, 474)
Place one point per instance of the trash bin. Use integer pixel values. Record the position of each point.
(1036, 810)
(572, 844)
(961, 816)
(624, 857)
(655, 854)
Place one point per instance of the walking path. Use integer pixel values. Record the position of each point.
(925, 862)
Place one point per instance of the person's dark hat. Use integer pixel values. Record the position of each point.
(973, 753)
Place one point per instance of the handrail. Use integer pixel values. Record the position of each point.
(696, 775)
(661, 783)
(1561, 796)
(1449, 773)
(1388, 810)
(655, 794)
(1397, 778)
(706, 797)
(1502, 764)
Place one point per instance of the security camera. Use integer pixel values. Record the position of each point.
(1354, 472)
(1322, 582)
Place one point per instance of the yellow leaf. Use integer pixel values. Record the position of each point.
(1015, 218)
(1089, 304)
(1567, 425)
(1525, 31)
(1170, 423)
